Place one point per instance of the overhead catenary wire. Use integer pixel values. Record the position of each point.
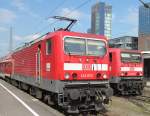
(55, 9)
(46, 17)
(81, 5)
(52, 11)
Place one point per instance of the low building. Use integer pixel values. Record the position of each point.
(124, 42)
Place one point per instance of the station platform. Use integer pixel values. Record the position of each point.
(15, 102)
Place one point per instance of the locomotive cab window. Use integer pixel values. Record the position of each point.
(81, 46)
(131, 57)
(48, 47)
(96, 48)
(136, 57)
(75, 46)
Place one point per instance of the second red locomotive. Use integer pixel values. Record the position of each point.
(126, 71)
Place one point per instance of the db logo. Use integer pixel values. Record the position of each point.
(131, 68)
(87, 67)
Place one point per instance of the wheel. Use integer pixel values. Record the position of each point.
(38, 93)
(32, 91)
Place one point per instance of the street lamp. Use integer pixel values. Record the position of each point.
(145, 5)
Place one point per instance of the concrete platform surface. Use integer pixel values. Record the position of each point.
(15, 102)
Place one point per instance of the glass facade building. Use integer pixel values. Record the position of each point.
(144, 20)
(101, 22)
(144, 28)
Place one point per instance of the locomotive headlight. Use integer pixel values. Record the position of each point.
(122, 74)
(67, 75)
(104, 76)
(141, 74)
(74, 75)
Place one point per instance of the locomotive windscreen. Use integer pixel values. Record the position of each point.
(88, 47)
(131, 57)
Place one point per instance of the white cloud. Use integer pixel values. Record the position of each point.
(131, 17)
(17, 37)
(3, 29)
(4, 48)
(77, 14)
(21, 40)
(6, 16)
(132, 31)
(71, 14)
(20, 5)
(130, 20)
(26, 38)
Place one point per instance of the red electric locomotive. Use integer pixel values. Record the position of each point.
(126, 71)
(66, 68)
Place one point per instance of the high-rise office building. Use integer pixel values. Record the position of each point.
(101, 22)
(144, 38)
(144, 20)
(144, 28)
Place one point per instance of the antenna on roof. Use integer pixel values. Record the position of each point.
(72, 22)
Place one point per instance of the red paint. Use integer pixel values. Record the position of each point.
(24, 60)
(116, 64)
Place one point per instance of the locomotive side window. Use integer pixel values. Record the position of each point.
(48, 47)
(110, 57)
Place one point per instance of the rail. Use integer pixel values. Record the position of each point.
(141, 101)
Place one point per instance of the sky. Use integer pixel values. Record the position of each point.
(31, 18)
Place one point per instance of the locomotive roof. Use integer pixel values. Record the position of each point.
(61, 32)
(31, 42)
(88, 35)
(124, 50)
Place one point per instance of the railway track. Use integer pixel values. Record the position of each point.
(143, 98)
(141, 101)
(90, 113)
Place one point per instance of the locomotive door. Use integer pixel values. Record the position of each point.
(38, 65)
